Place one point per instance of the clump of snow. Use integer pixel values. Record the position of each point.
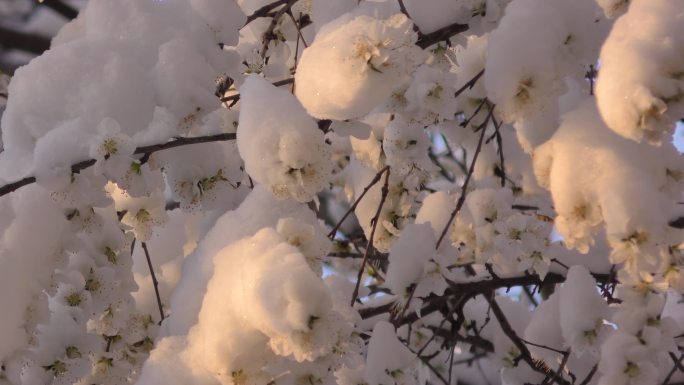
(206, 175)
(613, 8)
(324, 11)
(309, 238)
(22, 256)
(354, 64)
(583, 165)
(639, 350)
(517, 80)
(430, 97)
(31, 116)
(282, 147)
(259, 209)
(224, 18)
(433, 15)
(141, 214)
(435, 210)
(640, 86)
(544, 329)
(406, 147)
(582, 329)
(141, 56)
(263, 303)
(381, 367)
(408, 257)
(273, 290)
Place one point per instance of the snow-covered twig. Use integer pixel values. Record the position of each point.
(145, 151)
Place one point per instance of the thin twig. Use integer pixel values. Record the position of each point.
(374, 223)
(264, 11)
(145, 151)
(470, 84)
(458, 305)
(590, 375)
(427, 363)
(299, 29)
(351, 209)
(402, 8)
(464, 188)
(154, 281)
(470, 360)
(499, 144)
(538, 366)
(561, 367)
(677, 365)
(444, 33)
(23, 41)
(530, 296)
(234, 98)
(299, 37)
(268, 34)
(466, 122)
(478, 288)
(60, 7)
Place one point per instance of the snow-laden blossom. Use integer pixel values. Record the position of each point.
(644, 102)
(367, 58)
(292, 158)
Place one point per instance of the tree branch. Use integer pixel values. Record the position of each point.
(589, 376)
(537, 366)
(351, 209)
(374, 223)
(60, 7)
(268, 35)
(677, 365)
(474, 288)
(236, 97)
(464, 189)
(154, 282)
(444, 33)
(145, 151)
(23, 41)
(470, 84)
(265, 11)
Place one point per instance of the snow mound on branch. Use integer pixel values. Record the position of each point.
(408, 257)
(224, 18)
(142, 56)
(281, 145)
(525, 80)
(205, 175)
(323, 11)
(248, 297)
(354, 64)
(582, 329)
(21, 257)
(388, 359)
(544, 329)
(58, 94)
(612, 8)
(260, 209)
(405, 147)
(266, 283)
(430, 16)
(584, 164)
(640, 87)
